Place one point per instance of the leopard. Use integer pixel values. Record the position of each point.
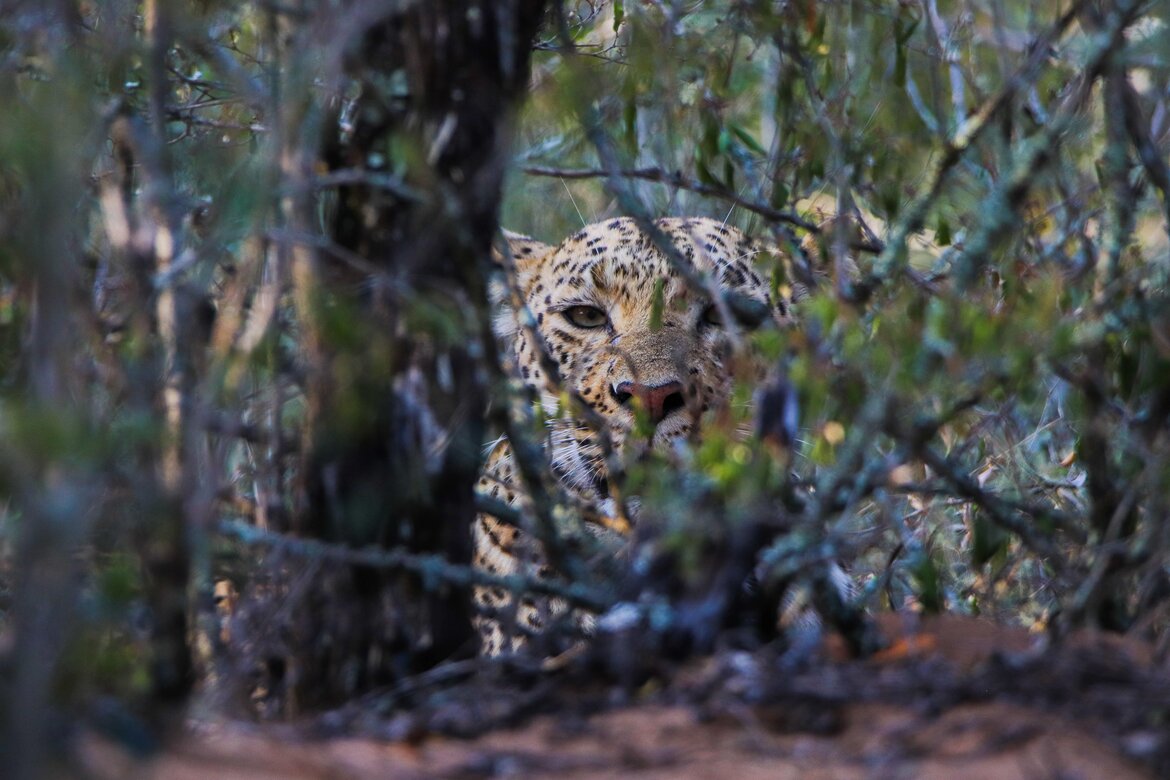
(620, 316)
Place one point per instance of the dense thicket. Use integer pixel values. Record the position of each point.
(244, 249)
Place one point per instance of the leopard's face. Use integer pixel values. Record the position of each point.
(643, 350)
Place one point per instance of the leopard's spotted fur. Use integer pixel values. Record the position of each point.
(593, 300)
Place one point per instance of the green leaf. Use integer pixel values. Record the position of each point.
(928, 581)
(902, 32)
(822, 452)
(656, 305)
(724, 142)
(701, 171)
(817, 25)
(619, 14)
(630, 121)
(747, 139)
(942, 233)
(780, 196)
(710, 140)
(987, 540)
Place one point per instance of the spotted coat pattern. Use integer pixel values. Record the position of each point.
(628, 336)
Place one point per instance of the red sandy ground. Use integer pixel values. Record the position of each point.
(993, 739)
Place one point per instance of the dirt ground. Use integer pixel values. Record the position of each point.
(1070, 714)
(982, 741)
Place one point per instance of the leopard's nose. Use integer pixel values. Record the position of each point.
(657, 400)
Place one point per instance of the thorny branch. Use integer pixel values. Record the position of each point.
(913, 215)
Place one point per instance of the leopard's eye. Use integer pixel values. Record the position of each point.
(711, 316)
(585, 316)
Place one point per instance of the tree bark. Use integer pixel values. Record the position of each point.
(396, 395)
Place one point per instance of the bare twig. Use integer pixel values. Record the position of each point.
(946, 44)
(1001, 512)
(431, 568)
(677, 180)
(530, 461)
(380, 181)
(1152, 159)
(217, 124)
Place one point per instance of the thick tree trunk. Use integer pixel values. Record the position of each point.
(396, 386)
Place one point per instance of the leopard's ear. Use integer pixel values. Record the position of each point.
(813, 254)
(520, 257)
(525, 253)
(840, 270)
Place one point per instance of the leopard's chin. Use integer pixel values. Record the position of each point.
(665, 437)
(674, 427)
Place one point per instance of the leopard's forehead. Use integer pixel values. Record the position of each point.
(616, 259)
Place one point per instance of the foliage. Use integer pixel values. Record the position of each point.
(970, 197)
(946, 379)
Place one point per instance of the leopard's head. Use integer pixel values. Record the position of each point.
(628, 335)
